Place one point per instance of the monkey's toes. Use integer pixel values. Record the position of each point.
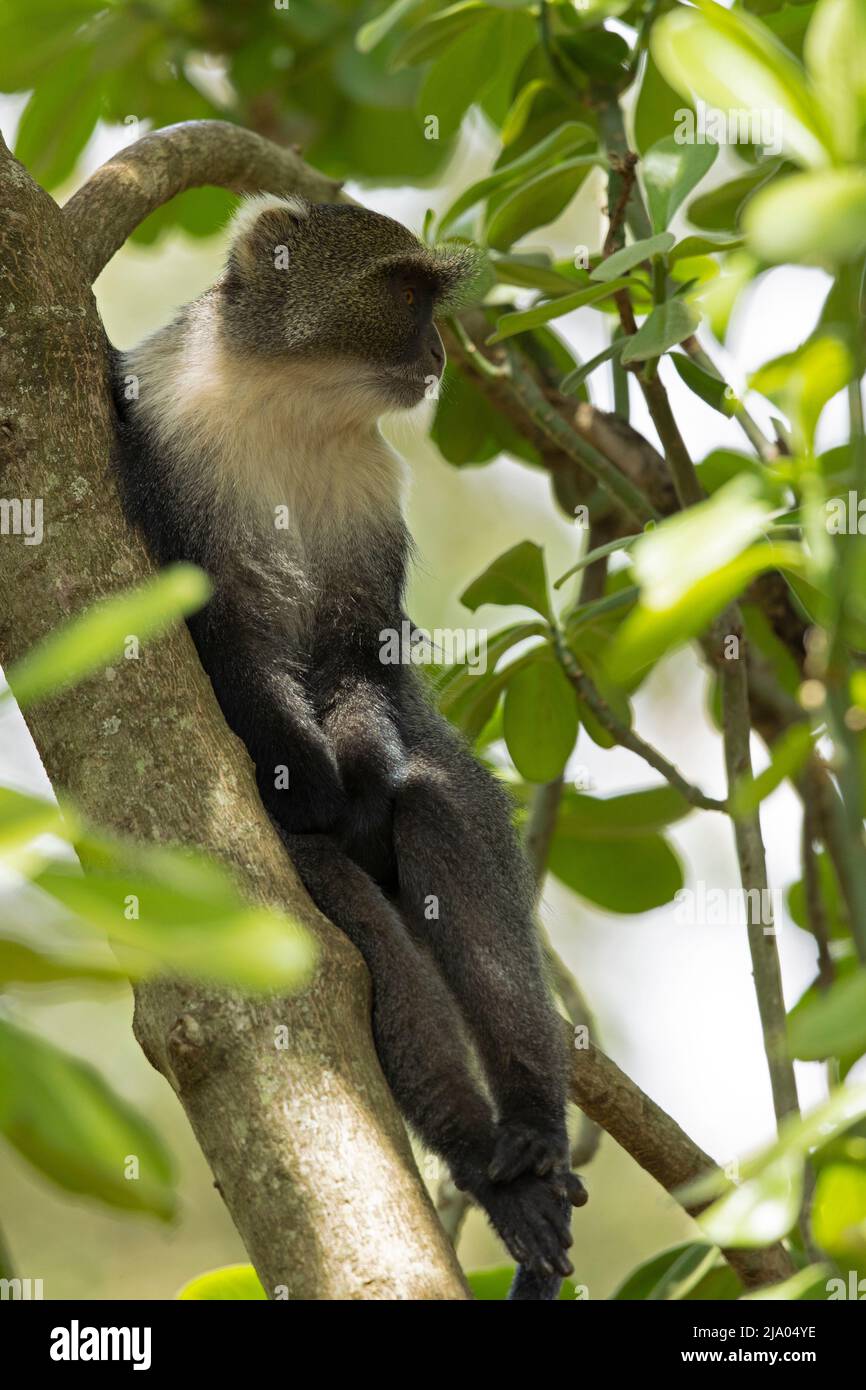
(524, 1148)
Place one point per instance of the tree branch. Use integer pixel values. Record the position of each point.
(608, 1096)
(140, 178)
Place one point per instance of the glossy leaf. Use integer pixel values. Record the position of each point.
(231, 1283)
(517, 577)
(63, 1118)
(645, 876)
(510, 324)
(538, 201)
(670, 171)
(712, 390)
(97, 638)
(734, 63)
(632, 255)
(667, 325)
(540, 719)
(817, 218)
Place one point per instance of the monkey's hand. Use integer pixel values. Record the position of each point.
(526, 1147)
(532, 1218)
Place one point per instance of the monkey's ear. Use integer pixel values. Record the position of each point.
(262, 226)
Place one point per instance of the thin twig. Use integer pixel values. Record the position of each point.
(585, 688)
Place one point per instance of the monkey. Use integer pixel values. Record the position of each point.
(249, 443)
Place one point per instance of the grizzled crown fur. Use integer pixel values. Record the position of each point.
(319, 279)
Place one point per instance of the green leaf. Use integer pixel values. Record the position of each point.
(468, 429)
(24, 817)
(510, 324)
(834, 48)
(453, 680)
(650, 1278)
(433, 35)
(538, 201)
(799, 1136)
(734, 63)
(534, 272)
(762, 1210)
(670, 172)
(59, 119)
(517, 577)
(540, 719)
(23, 965)
(597, 553)
(834, 908)
(816, 218)
(565, 139)
(801, 383)
(518, 114)
(97, 637)
(593, 868)
(833, 1024)
(230, 1283)
(190, 919)
(630, 256)
(789, 753)
(492, 1285)
(572, 383)
(372, 33)
(839, 1212)
(712, 390)
(689, 567)
(667, 325)
(721, 210)
(809, 1284)
(621, 817)
(648, 632)
(459, 75)
(657, 108)
(64, 1119)
(707, 243)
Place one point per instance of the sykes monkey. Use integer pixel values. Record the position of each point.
(253, 449)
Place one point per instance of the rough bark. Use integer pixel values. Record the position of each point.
(305, 1144)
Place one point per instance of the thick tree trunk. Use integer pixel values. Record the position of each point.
(305, 1143)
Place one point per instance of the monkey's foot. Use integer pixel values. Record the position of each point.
(531, 1217)
(522, 1147)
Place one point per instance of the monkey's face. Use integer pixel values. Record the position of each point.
(333, 283)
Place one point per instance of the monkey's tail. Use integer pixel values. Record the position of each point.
(527, 1285)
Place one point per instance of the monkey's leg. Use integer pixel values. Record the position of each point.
(421, 1043)
(466, 890)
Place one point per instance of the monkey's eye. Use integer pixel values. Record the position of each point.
(409, 294)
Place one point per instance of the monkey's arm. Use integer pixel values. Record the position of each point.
(268, 708)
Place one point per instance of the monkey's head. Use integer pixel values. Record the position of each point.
(336, 284)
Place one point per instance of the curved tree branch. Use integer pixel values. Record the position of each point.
(139, 179)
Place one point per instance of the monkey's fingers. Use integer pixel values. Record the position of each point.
(575, 1190)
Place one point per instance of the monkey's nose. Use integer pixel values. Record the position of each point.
(437, 352)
